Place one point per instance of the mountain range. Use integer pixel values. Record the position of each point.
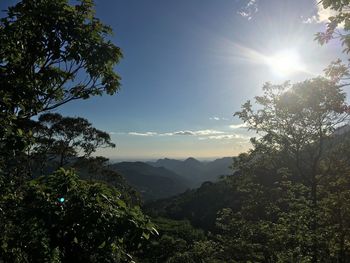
(197, 172)
(169, 177)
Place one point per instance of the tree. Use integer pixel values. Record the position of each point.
(337, 28)
(59, 218)
(58, 137)
(51, 53)
(296, 123)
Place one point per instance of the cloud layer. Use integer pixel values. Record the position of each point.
(208, 134)
(185, 132)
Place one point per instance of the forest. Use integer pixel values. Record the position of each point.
(287, 199)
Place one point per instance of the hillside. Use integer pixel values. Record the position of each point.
(199, 206)
(152, 182)
(197, 172)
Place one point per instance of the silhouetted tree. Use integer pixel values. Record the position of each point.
(337, 28)
(51, 53)
(58, 137)
(296, 123)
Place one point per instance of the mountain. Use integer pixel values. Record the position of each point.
(197, 172)
(152, 182)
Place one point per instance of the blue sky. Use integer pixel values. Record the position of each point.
(188, 66)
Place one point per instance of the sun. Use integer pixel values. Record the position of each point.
(285, 62)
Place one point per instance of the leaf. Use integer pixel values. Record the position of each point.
(145, 235)
(102, 245)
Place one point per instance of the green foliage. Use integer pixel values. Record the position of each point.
(337, 28)
(178, 241)
(289, 199)
(97, 169)
(46, 47)
(199, 206)
(341, 18)
(61, 138)
(51, 53)
(45, 223)
(286, 173)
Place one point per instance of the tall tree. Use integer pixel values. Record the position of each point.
(296, 123)
(51, 52)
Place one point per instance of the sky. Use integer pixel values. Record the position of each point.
(190, 64)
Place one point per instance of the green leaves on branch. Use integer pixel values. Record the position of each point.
(48, 220)
(51, 52)
(62, 138)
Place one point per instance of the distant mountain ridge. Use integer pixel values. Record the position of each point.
(152, 182)
(197, 172)
(168, 177)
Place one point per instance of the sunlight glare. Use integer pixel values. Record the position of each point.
(285, 63)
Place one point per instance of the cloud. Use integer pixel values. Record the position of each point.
(321, 15)
(224, 137)
(221, 137)
(249, 9)
(193, 133)
(181, 133)
(217, 119)
(207, 132)
(145, 134)
(238, 126)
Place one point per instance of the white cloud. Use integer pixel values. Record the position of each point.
(221, 137)
(193, 133)
(225, 137)
(238, 126)
(218, 118)
(146, 134)
(249, 9)
(321, 15)
(207, 132)
(324, 14)
(180, 133)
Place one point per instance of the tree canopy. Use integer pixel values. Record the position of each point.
(59, 218)
(51, 52)
(337, 28)
(61, 138)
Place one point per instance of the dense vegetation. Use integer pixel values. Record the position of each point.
(46, 46)
(287, 201)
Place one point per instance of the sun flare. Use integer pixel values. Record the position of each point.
(285, 62)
